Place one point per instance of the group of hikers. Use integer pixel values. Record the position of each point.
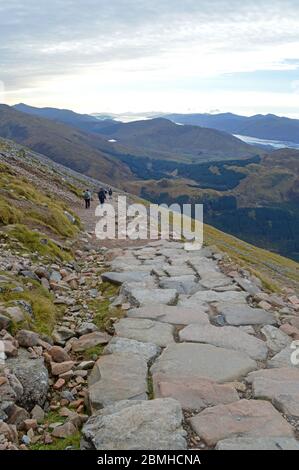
(102, 195)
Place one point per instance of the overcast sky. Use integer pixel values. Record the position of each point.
(151, 55)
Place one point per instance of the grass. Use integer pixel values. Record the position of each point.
(34, 241)
(93, 353)
(9, 214)
(45, 313)
(102, 313)
(21, 202)
(58, 444)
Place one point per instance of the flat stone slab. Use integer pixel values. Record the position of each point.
(210, 296)
(251, 443)
(138, 425)
(147, 350)
(281, 386)
(275, 338)
(118, 376)
(212, 279)
(181, 360)
(284, 359)
(228, 337)
(171, 314)
(143, 296)
(244, 418)
(182, 284)
(90, 341)
(120, 278)
(195, 394)
(146, 331)
(245, 315)
(181, 270)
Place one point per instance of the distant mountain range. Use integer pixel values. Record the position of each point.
(245, 192)
(261, 126)
(84, 152)
(153, 138)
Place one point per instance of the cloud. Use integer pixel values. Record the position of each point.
(141, 44)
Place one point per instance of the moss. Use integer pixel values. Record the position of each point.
(37, 242)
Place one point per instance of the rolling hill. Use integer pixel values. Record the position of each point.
(85, 153)
(167, 140)
(261, 126)
(153, 138)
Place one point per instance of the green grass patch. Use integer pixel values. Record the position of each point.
(36, 242)
(9, 214)
(45, 313)
(94, 353)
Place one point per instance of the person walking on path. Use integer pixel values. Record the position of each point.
(110, 192)
(102, 196)
(87, 198)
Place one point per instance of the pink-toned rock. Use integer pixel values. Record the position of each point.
(58, 354)
(195, 394)
(244, 418)
(90, 341)
(62, 367)
(10, 349)
(65, 430)
(30, 424)
(8, 431)
(265, 305)
(293, 299)
(59, 384)
(290, 330)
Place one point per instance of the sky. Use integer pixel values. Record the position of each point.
(151, 55)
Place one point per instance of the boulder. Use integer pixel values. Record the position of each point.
(33, 376)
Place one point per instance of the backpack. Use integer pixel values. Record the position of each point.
(87, 195)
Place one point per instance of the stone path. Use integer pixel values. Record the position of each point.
(196, 362)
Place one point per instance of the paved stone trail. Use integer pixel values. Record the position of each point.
(191, 364)
(183, 350)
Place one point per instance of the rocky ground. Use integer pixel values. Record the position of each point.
(155, 348)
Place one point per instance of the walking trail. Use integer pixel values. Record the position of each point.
(196, 362)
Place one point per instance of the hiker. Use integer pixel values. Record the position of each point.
(110, 192)
(87, 198)
(102, 196)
